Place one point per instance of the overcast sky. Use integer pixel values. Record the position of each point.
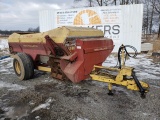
(20, 14)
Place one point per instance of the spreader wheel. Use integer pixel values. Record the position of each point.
(23, 66)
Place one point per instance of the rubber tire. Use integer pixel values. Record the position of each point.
(26, 66)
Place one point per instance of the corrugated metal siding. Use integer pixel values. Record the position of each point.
(46, 20)
(132, 16)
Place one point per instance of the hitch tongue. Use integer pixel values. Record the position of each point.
(141, 89)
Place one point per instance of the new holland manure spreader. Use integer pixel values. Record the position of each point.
(73, 53)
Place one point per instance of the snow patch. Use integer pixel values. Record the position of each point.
(3, 44)
(37, 118)
(144, 67)
(6, 65)
(44, 106)
(12, 87)
(146, 114)
(78, 118)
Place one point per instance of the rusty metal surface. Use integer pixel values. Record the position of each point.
(80, 69)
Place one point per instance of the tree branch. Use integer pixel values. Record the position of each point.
(98, 3)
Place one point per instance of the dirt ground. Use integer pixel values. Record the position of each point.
(45, 98)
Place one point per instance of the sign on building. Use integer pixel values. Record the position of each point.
(123, 24)
(106, 19)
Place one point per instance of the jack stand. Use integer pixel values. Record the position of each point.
(110, 89)
(110, 93)
(104, 74)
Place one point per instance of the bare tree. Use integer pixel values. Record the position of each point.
(157, 6)
(100, 2)
(90, 3)
(151, 18)
(115, 2)
(157, 10)
(136, 1)
(151, 11)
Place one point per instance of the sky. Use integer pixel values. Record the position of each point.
(21, 15)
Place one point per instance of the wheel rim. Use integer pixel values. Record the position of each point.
(17, 67)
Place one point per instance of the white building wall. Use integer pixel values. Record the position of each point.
(47, 20)
(132, 25)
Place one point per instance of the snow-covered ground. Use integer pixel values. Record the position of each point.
(4, 47)
(45, 105)
(5, 64)
(3, 44)
(10, 86)
(144, 66)
(6, 67)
